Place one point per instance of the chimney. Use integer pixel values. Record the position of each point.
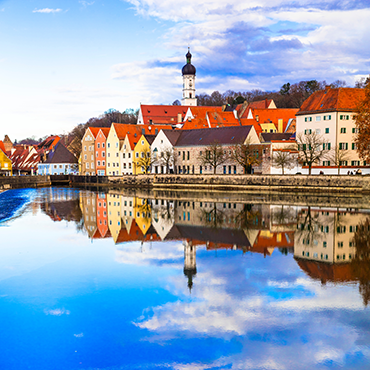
(143, 131)
(179, 118)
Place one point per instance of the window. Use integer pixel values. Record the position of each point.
(137, 155)
(102, 145)
(318, 131)
(318, 118)
(340, 244)
(344, 117)
(108, 145)
(354, 130)
(343, 146)
(341, 229)
(188, 155)
(324, 244)
(142, 142)
(355, 163)
(103, 163)
(87, 164)
(308, 119)
(98, 163)
(343, 130)
(326, 163)
(327, 118)
(354, 146)
(308, 132)
(327, 130)
(85, 148)
(343, 163)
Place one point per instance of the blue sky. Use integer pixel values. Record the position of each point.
(62, 62)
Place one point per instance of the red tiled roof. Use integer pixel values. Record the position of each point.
(200, 112)
(162, 114)
(343, 99)
(222, 119)
(2, 147)
(340, 272)
(270, 116)
(260, 104)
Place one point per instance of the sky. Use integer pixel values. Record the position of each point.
(63, 62)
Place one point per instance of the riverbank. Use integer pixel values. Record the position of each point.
(19, 182)
(255, 183)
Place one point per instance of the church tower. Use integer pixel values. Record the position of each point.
(188, 77)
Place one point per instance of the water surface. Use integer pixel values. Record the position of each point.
(93, 280)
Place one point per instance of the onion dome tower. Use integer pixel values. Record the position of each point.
(188, 77)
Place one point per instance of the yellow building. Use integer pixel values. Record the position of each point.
(5, 162)
(142, 157)
(143, 214)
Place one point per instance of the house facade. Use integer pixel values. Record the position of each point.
(193, 144)
(5, 162)
(330, 113)
(88, 164)
(60, 161)
(100, 151)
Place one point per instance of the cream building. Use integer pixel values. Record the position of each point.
(330, 114)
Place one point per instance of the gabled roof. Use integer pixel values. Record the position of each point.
(222, 135)
(200, 112)
(172, 136)
(342, 99)
(269, 116)
(162, 114)
(61, 155)
(262, 104)
(150, 138)
(48, 143)
(104, 131)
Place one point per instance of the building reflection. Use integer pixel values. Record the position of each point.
(329, 245)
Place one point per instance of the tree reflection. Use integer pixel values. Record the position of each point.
(214, 217)
(247, 218)
(308, 226)
(361, 263)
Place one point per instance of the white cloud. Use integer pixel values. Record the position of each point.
(47, 10)
(57, 312)
(86, 3)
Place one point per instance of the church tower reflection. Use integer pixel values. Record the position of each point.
(190, 267)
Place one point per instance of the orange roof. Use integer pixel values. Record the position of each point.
(343, 99)
(260, 104)
(200, 112)
(105, 131)
(222, 119)
(270, 116)
(2, 147)
(162, 114)
(94, 131)
(195, 123)
(340, 272)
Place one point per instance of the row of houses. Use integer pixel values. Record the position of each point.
(173, 138)
(186, 131)
(50, 157)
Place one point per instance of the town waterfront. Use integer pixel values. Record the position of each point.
(121, 279)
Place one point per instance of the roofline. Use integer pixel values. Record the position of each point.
(324, 111)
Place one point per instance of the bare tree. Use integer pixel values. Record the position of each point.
(284, 159)
(167, 158)
(145, 161)
(214, 155)
(311, 149)
(246, 155)
(338, 157)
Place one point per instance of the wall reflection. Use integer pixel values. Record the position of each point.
(329, 244)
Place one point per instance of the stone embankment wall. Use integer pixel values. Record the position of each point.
(15, 182)
(255, 183)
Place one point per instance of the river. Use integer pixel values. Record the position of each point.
(129, 280)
